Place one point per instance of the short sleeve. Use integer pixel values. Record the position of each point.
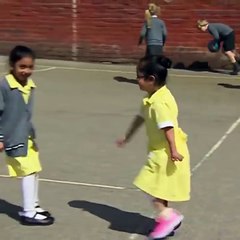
(164, 116)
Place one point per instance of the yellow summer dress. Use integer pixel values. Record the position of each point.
(160, 177)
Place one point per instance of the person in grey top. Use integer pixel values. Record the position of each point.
(154, 32)
(223, 33)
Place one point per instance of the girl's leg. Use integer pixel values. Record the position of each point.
(167, 220)
(30, 216)
(160, 206)
(28, 192)
(36, 184)
(28, 187)
(37, 207)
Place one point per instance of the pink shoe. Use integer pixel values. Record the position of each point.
(165, 226)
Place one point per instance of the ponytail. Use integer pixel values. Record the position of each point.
(153, 9)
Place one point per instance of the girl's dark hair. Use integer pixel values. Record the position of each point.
(155, 66)
(19, 52)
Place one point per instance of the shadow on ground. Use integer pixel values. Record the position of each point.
(9, 209)
(127, 80)
(227, 85)
(119, 220)
(196, 66)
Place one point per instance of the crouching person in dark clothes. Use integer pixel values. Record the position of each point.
(222, 33)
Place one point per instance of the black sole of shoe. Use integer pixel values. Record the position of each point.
(48, 222)
(178, 226)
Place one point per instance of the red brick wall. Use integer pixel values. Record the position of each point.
(108, 30)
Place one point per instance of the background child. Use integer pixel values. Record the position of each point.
(153, 31)
(166, 174)
(17, 134)
(222, 33)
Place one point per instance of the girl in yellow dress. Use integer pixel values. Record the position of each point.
(166, 174)
(17, 134)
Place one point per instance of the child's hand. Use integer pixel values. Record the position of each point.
(121, 142)
(1, 147)
(176, 156)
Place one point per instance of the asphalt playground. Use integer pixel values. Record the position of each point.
(80, 111)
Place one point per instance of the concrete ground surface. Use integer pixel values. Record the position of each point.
(81, 109)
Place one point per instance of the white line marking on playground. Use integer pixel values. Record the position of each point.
(49, 67)
(90, 69)
(75, 183)
(209, 76)
(45, 69)
(216, 146)
(37, 70)
(194, 169)
(199, 164)
(132, 72)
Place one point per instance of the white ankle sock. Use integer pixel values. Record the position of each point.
(32, 214)
(28, 188)
(36, 198)
(29, 197)
(36, 187)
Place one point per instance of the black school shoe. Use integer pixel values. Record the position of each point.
(237, 59)
(236, 69)
(39, 210)
(33, 221)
